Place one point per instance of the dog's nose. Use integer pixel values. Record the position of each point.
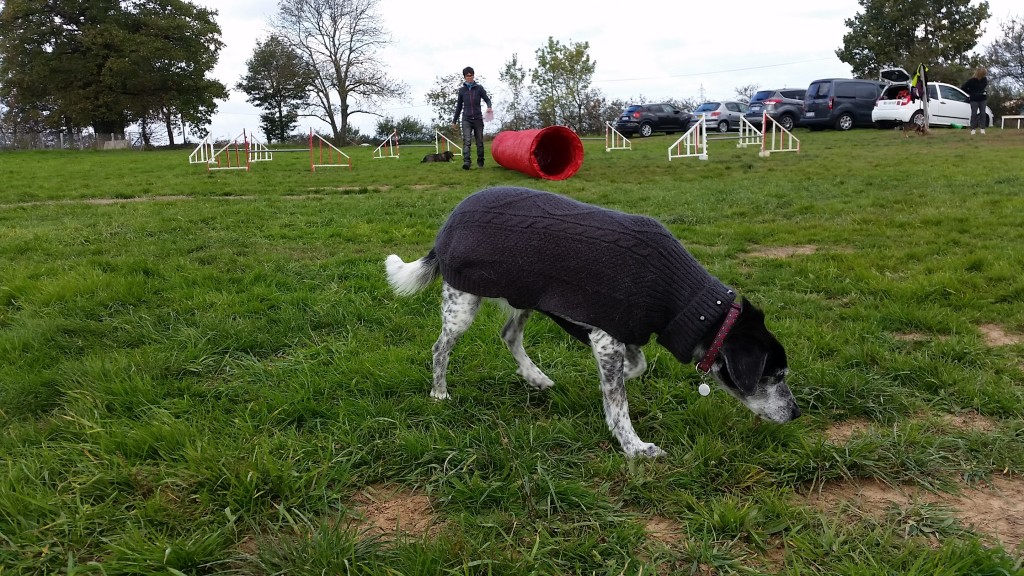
(794, 412)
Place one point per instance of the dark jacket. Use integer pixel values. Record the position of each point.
(581, 264)
(468, 103)
(976, 88)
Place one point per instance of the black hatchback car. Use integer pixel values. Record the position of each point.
(646, 119)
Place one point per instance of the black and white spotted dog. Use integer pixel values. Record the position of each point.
(611, 280)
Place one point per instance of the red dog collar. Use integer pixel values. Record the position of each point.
(705, 363)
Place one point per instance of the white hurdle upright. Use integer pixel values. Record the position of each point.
(390, 144)
(441, 139)
(258, 151)
(203, 154)
(781, 140)
(614, 140)
(749, 135)
(694, 142)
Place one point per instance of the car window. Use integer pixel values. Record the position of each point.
(951, 93)
(707, 107)
(631, 109)
(761, 95)
(933, 91)
(795, 94)
(819, 89)
(866, 91)
(732, 107)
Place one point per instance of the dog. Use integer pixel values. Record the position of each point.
(611, 280)
(909, 128)
(445, 156)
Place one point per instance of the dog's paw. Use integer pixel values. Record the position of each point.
(645, 450)
(536, 379)
(439, 395)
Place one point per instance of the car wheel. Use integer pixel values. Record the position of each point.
(723, 126)
(918, 118)
(646, 130)
(845, 121)
(787, 122)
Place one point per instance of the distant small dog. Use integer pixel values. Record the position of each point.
(445, 156)
(909, 128)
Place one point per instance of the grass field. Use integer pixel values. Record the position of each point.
(207, 373)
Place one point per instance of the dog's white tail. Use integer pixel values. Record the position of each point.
(410, 277)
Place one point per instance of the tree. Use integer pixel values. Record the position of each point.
(340, 41)
(407, 129)
(517, 113)
(276, 81)
(443, 97)
(114, 62)
(561, 82)
(746, 92)
(1005, 57)
(905, 33)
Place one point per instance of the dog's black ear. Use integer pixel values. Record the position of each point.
(745, 360)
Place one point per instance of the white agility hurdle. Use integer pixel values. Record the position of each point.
(334, 155)
(781, 140)
(692, 144)
(203, 154)
(232, 156)
(614, 140)
(390, 144)
(749, 135)
(441, 139)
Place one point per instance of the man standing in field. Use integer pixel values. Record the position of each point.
(468, 104)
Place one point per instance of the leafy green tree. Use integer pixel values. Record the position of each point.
(905, 33)
(113, 62)
(443, 97)
(276, 81)
(341, 41)
(408, 129)
(562, 82)
(517, 114)
(1005, 59)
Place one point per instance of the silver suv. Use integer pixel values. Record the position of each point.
(784, 105)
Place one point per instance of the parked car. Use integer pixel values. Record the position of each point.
(721, 116)
(947, 104)
(646, 119)
(784, 105)
(840, 103)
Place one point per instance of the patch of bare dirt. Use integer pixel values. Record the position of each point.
(782, 251)
(969, 422)
(391, 512)
(841, 432)
(995, 510)
(108, 201)
(664, 530)
(994, 335)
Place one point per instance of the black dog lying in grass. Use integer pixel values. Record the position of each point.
(445, 156)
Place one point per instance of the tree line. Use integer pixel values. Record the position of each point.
(70, 65)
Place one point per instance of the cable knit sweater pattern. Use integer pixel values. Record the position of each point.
(578, 263)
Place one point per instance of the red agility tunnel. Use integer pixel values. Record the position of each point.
(553, 153)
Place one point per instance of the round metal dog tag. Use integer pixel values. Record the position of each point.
(704, 389)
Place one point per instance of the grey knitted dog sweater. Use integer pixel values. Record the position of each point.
(581, 264)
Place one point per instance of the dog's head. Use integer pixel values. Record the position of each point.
(752, 367)
(447, 155)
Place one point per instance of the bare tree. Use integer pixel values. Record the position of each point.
(340, 41)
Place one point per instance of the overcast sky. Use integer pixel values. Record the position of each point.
(658, 49)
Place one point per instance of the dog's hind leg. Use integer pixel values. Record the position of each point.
(458, 309)
(635, 363)
(512, 334)
(610, 355)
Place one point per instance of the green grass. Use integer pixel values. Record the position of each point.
(204, 380)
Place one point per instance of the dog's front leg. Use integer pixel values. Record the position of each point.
(610, 355)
